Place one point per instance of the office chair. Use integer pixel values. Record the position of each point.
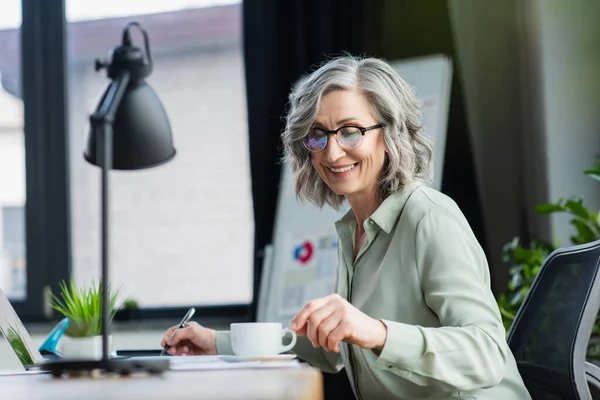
(549, 336)
(592, 373)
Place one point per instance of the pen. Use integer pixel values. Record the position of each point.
(188, 315)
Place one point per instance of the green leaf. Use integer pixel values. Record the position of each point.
(593, 174)
(18, 344)
(585, 234)
(556, 242)
(547, 208)
(522, 254)
(576, 207)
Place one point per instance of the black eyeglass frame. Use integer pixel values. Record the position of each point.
(362, 130)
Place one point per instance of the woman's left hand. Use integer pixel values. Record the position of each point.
(329, 320)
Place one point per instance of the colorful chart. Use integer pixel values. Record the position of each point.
(304, 252)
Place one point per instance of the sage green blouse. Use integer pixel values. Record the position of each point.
(422, 273)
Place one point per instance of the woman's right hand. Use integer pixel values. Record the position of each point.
(191, 340)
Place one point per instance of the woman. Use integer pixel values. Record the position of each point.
(413, 316)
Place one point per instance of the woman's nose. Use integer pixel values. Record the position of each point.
(333, 150)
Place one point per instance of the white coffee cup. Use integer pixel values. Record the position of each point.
(260, 339)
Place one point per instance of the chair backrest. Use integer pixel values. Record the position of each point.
(550, 333)
(592, 374)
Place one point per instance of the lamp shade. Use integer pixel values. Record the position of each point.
(141, 131)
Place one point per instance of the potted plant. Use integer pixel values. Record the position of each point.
(82, 306)
(526, 260)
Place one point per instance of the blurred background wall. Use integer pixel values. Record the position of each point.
(530, 76)
(523, 117)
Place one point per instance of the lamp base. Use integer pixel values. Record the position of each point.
(123, 366)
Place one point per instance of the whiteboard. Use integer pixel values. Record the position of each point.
(301, 262)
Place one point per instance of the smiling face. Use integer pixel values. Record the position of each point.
(350, 173)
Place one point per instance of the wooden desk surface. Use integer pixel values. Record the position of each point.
(260, 384)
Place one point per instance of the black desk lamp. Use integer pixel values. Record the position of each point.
(130, 130)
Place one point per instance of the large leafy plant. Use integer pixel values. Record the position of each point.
(82, 306)
(526, 260)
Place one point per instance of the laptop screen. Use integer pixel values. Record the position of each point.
(13, 330)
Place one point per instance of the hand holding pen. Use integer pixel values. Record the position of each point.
(186, 318)
(191, 339)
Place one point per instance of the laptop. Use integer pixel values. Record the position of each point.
(17, 336)
(30, 356)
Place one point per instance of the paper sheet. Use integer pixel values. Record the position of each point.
(23, 372)
(220, 365)
(310, 270)
(180, 359)
(179, 363)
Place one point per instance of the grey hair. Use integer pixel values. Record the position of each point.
(393, 104)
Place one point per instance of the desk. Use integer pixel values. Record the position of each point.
(260, 384)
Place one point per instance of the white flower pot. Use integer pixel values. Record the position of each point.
(88, 348)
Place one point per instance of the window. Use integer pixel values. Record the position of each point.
(182, 233)
(13, 279)
(12, 157)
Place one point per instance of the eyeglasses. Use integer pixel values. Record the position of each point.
(349, 137)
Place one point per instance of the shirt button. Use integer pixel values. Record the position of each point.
(371, 222)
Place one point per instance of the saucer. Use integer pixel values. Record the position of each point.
(278, 357)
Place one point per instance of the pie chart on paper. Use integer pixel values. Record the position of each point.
(304, 252)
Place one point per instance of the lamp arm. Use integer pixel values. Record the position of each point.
(102, 120)
(107, 108)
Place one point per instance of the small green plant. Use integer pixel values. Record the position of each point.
(129, 310)
(82, 306)
(525, 261)
(130, 304)
(17, 343)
